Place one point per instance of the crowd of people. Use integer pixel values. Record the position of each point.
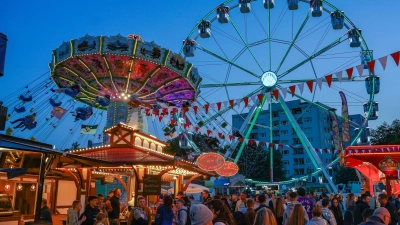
(291, 208)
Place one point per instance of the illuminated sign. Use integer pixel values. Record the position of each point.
(228, 169)
(210, 161)
(388, 164)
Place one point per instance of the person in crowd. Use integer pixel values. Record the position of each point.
(182, 214)
(256, 202)
(215, 197)
(372, 202)
(206, 196)
(278, 210)
(290, 207)
(287, 199)
(348, 218)
(241, 204)
(72, 214)
(250, 214)
(311, 196)
(263, 202)
(383, 201)
(165, 215)
(316, 217)
(138, 215)
(265, 217)
(381, 216)
(113, 215)
(45, 214)
(222, 215)
(225, 200)
(361, 205)
(101, 205)
(90, 211)
(270, 201)
(367, 214)
(107, 201)
(233, 202)
(297, 216)
(100, 219)
(305, 202)
(201, 215)
(327, 214)
(323, 196)
(337, 211)
(350, 202)
(240, 219)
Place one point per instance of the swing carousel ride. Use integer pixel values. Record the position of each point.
(309, 51)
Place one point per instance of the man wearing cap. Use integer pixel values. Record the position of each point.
(383, 200)
(206, 196)
(201, 215)
(90, 211)
(381, 216)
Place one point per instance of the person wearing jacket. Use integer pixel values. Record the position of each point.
(383, 200)
(72, 214)
(165, 215)
(337, 211)
(316, 217)
(90, 211)
(381, 216)
(138, 215)
(293, 201)
(361, 205)
(181, 213)
(327, 213)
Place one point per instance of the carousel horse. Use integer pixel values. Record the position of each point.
(26, 121)
(103, 101)
(71, 91)
(83, 113)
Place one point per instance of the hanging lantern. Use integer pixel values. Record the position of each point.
(19, 187)
(7, 187)
(33, 187)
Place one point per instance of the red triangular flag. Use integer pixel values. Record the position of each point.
(230, 137)
(251, 142)
(276, 94)
(329, 79)
(261, 143)
(241, 139)
(172, 122)
(160, 118)
(220, 135)
(325, 150)
(349, 72)
(231, 102)
(292, 89)
(281, 146)
(260, 97)
(207, 106)
(246, 101)
(310, 85)
(396, 57)
(165, 111)
(147, 111)
(219, 106)
(371, 66)
(208, 132)
(185, 126)
(195, 109)
(197, 129)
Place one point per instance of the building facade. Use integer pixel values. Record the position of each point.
(316, 124)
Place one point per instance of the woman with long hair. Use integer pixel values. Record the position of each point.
(317, 219)
(265, 216)
(350, 201)
(165, 215)
(222, 214)
(279, 210)
(296, 216)
(337, 212)
(240, 219)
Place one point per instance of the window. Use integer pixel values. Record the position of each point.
(253, 136)
(285, 152)
(263, 135)
(299, 171)
(297, 151)
(275, 123)
(284, 141)
(308, 110)
(284, 122)
(307, 129)
(296, 141)
(299, 161)
(310, 139)
(287, 172)
(275, 114)
(284, 132)
(282, 113)
(308, 160)
(296, 111)
(285, 162)
(307, 120)
(275, 133)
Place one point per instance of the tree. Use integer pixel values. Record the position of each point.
(344, 175)
(386, 134)
(254, 163)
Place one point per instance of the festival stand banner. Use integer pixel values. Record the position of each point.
(345, 116)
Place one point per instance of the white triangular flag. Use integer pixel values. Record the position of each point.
(257, 143)
(320, 150)
(268, 97)
(267, 144)
(360, 69)
(383, 61)
(339, 76)
(236, 139)
(212, 105)
(214, 134)
(166, 120)
(276, 146)
(179, 111)
(203, 130)
(247, 141)
(200, 109)
(301, 87)
(238, 102)
(254, 99)
(284, 92)
(319, 83)
(179, 123)
(225, 104)
(153, 116)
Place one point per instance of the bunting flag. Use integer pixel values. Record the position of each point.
(284, 92)
(206, 107)
(383, 61)
(231, 102)
(301, 87)
(260, 97)
(208, 132)
(219, 106)
(230, 137)
(276, 94)
(254, 99)
(238, 102)
(339, 76)
(360, 69)
(349, 73)
(292, 89)
(310, 85)
(226, 104)
(319, 83)
(329, 79)
(246, 101)
(371, 66)
(396, 57)
(212, 105)
(195, 109)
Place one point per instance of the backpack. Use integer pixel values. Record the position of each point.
(188, 222)
(323, 217)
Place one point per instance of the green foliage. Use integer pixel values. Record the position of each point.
(344, 175)
(202, 141)
(254, 163)
(386, 134)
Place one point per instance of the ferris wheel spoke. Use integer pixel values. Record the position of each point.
(316, 54)
(293, 41)
(228, 61)
(229, 84)
(245, 43)
(334, 80)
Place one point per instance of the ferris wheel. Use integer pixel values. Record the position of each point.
(244, 48)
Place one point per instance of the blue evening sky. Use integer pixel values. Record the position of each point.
(35, 28)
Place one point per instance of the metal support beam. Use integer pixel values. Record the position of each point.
(42, 174)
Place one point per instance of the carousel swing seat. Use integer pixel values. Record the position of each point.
(19, 109)
(25, 98)
(54, 103)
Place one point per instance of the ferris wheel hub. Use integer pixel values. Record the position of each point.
(269, 79)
